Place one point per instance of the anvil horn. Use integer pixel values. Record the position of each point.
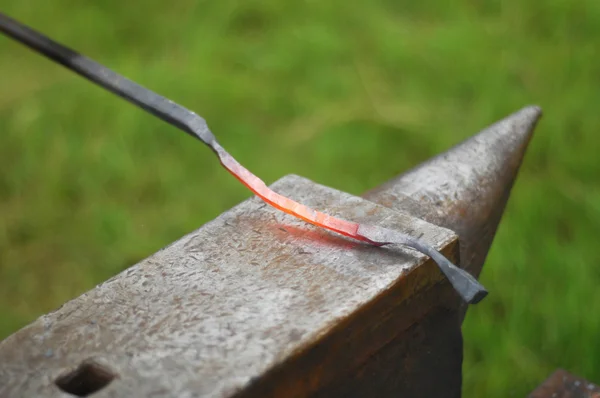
(466, 188)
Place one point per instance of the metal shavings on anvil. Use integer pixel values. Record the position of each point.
(465, 284)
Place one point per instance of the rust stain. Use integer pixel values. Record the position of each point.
(562, 384)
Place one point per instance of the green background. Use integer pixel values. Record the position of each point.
(348, 94)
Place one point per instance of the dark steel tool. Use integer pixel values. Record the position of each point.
(466, 285)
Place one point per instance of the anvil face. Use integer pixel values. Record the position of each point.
(228, 302)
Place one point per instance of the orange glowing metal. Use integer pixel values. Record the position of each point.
(288, 205)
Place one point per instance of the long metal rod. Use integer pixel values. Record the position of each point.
(158, 105)
(468, 287)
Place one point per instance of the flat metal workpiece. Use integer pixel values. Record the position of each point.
(254, 300)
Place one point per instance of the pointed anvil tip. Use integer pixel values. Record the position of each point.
(466, 188)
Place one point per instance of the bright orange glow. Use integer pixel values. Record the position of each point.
(287, 205)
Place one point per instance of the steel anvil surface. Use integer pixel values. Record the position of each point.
(251, 294)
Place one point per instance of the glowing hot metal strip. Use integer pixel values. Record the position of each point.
(287, 205)
(467, 286)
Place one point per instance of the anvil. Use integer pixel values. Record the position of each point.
(259, 304)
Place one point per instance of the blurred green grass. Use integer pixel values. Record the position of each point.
(348, 95)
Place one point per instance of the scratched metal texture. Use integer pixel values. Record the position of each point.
(467, 187)
(250, 292)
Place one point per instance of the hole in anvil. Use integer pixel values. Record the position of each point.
(88, 378)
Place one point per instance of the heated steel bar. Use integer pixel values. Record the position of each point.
(466, 285)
